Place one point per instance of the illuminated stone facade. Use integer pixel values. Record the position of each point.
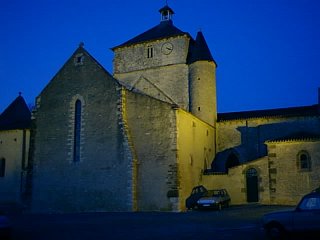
(140, 140)
(268, 141)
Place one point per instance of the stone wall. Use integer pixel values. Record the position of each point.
(288, 182)
(280, 179)
(164, 77)
(152, 127)
(248, 136)
(195, 150)
(203, 97)
(14, 148)
(166, 83)
(99, 181)
(235, 182)
(135, 57)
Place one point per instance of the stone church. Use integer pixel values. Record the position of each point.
(142, 138)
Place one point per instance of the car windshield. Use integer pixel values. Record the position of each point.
(213, 193)
(310, 203)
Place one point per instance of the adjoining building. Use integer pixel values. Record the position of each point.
(15, 125)
(142, 138)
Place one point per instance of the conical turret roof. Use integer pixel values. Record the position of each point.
(16, 116)
(199, 50)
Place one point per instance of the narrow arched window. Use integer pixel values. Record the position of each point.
(77, 131)
(304, 161)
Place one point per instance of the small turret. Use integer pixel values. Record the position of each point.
(202, 77)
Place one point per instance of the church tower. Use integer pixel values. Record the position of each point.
(155, 62)
(168, 64)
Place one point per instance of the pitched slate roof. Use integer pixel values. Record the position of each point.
(163, 30)
(199, 50)
(16, 116)
(280, 112)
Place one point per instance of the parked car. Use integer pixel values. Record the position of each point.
(5, 227)
(217, 198)
(196, 193)
(317, 189)
(304, 219)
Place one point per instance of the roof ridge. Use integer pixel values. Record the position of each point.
(164, 29)
(311, 110)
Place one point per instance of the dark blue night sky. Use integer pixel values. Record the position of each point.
(267, 51)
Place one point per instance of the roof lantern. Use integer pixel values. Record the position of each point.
(166, 13)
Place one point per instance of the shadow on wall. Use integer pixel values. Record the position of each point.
(253, 142)
(228, 158)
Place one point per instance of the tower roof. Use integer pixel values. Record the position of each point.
(199, 50)
(163, 30)
(16, 116)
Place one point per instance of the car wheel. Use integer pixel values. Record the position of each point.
(275, 231)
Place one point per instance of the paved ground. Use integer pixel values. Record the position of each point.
(237, 222)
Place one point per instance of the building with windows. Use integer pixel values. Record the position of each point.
(142, 138)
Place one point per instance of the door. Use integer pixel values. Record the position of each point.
(252, 185)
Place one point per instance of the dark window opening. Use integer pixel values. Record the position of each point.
(165, 15)
(304, 161)
(77, 131)
(2, 167)
(150, 52)
(80, 59)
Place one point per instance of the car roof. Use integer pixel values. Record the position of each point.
(312, 194)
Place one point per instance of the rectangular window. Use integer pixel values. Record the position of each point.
(150, 52)
(2, 167)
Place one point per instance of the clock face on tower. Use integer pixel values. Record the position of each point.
(167, 48)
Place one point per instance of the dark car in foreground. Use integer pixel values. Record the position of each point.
(217, 198)
(200, 197)
(304, 220)
(5, 227)
(196, 194)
